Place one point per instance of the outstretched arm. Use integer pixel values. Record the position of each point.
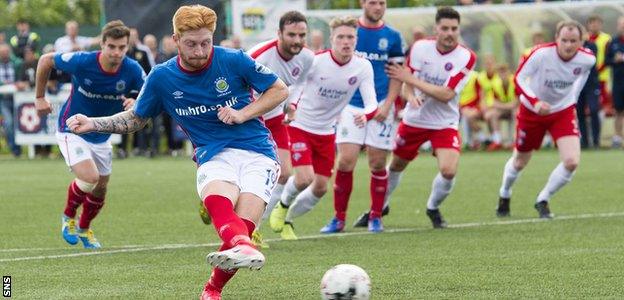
(123, 122)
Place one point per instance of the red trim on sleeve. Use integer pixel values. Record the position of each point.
(454, 81)
(264, 48)
(519, 89)
(371, 115)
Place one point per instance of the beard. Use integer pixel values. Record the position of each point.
(372, 18)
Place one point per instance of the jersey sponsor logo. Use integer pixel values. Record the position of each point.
(352, 80)
(372, 56)
(203, 109)
(120, 85)
(222, 86)
(98, 96)
(177, 94)
(295, 72)
(557, 84)
(383, 44)
(331, 93)
(433, 79)
(67, 56)
(448, 66)
(577, 71)
(262, 69)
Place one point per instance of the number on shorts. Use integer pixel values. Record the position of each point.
(386, 130)
(271, 178)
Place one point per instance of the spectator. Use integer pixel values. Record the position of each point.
(589, 101)
(317, 41)
(418, 33)
(601, 39)
(2, 37)
(615, 58)
(236, 42)
(24, 38)
(169, 47)
(9, 67)
(150, 41)
(501, 104)
(226, 43)
(175, 136)
(71, 41)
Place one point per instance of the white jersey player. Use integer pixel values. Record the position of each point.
(440, 69)
(550, 80)
(287, 57)
(335, 76)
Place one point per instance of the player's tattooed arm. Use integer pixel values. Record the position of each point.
(123, 122)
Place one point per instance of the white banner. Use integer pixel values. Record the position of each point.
(255, 21)
(30, 129)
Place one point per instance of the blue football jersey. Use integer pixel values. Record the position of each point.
(95, 92)
(379, 45)
(193, 100)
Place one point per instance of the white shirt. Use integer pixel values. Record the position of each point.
(544, 76)
(328, 89)
(64, 44)
(450, 69)
(292, 72)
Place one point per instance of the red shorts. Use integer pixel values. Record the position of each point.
(531, 127)
(409, 139)
(279, 131)
(312, 149)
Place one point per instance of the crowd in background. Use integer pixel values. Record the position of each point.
(487, 101)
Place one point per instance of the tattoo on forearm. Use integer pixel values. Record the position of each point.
(123, 122)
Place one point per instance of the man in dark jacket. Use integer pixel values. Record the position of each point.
(589, 99)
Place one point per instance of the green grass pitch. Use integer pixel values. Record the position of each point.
(155, 244)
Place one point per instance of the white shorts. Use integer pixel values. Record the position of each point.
(375, 134)
(75, 149)
(252, 172)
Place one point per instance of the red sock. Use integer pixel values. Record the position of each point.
(75, 197)
(230, 228)
(219, 277)
(378, 186)
(343, 185)
(90, 209)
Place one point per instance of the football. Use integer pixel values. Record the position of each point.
(345, 282)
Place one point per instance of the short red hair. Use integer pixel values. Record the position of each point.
(193, 17)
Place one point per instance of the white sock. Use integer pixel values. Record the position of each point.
(559, 177)
(393, 181)
(304, 202)
(290, 191)
(496, 137)
(275, 197)
(510, 174)
(440, 188)
(481, 136)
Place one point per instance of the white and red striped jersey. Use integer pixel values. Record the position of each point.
(545, 76)
(328, 89)
(450, 69)
(292, 72)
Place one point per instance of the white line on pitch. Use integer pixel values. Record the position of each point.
(136, 248)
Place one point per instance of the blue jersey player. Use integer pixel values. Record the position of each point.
(100, 82)
(381, 45)
(207, 90)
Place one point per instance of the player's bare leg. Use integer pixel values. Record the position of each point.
(512, 170)
(570, 155)
(442, 185)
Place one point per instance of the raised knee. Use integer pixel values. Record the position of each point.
(448, 173)
(319, 191)
(303, 182)
(284, 175)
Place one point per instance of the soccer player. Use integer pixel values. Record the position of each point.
(291, 62)
(206, 90)
(550, 80)
(440, 68)
(335, 76)
(101, 80)
(380, 44)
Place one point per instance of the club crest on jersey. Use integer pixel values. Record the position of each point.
(383, 44)
(260, 68)
(448, 66)
(352, 80)
(295, 71)
(577, 71)
(120, 85)
(221, 85)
